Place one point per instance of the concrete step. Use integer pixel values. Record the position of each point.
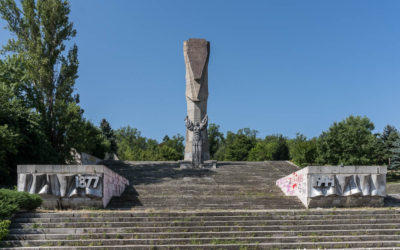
(163, 235)
(202, 241)
(234, 185)
(127, 229)
(220, 213)
(199, 223)
(202, 244)
(341, 228)
(156, 219)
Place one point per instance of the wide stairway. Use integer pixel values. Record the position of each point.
(233, 185)
(274, 229)
(236, 206)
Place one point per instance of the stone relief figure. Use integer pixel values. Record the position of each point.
(197, 141)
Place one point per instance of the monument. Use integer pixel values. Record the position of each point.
(71, 186)
(196, 53)
(337, 186)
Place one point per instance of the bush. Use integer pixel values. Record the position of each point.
(22, 200)
(11, 201)
(4, 228)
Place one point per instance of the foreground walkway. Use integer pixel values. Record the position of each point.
(274, 229)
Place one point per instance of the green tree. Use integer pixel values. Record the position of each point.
(130, 143)
(21, 138)
(350, 142)
(303, 151)
(395, 162)
(387, 141)
(273, 147)
(171, 149)
(41, 30)
(216, 139)
(88, 138)
(239, 145)
(108, 132)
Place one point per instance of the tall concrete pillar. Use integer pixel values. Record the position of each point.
(196, 53)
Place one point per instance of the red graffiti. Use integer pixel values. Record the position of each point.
(294, 186)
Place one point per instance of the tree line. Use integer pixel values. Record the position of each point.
(349, 142)
(41, 119)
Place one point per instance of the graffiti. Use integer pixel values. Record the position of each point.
(293, 184)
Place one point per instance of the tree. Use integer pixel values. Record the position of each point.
(171, 149)
(41, 30)
(302, 151)
(350, 142)
(130, 143)
(387, 141)
(273, 147)
(395, 163)
(21, 138)
(215, 139)
(88, 139)
(108, 132)
(239, 145)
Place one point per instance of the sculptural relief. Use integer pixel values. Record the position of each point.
(61, 185)
(348, 185)
(197, 140)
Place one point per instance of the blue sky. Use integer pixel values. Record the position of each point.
(275, 66)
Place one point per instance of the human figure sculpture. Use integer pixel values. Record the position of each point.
(197, 141)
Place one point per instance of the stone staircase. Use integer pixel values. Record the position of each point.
(236, 206)
(233, 185)
(251, 229)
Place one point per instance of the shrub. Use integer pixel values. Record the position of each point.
(23, 200)
(10, 202)
(4, 228)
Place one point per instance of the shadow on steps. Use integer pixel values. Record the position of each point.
(146, 173)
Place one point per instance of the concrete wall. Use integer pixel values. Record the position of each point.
(337, 186)
(71, 186)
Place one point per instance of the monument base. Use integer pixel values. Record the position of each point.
(337, 186)
(189, 165)
(71, 186)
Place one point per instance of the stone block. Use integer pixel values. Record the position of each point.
(337, 186)
(72, 185)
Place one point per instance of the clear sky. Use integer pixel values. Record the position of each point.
(275, 66)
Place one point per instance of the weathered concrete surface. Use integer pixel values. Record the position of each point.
(71, 186)
(233, 185)
(196, 53)
(337, 186)
(250, 229)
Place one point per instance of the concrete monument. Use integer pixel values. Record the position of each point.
(337, 186)
(196, 53)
